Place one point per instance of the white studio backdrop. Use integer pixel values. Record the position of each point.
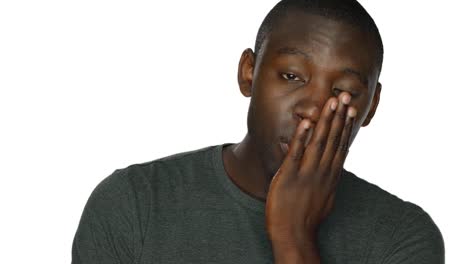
(87, 87)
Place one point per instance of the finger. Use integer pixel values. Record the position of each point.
(336, 131)
(296, 147)
(343, 147)
(318, 141)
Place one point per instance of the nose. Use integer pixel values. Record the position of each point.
(310, 104)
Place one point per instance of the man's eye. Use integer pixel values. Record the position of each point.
(337, 91)
(290, 77)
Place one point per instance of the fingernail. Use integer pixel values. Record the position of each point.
(306, 125)
(346, 99)
(351, 112)
(333, 105)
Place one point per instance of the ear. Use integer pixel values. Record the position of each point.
(375, 103)
(245, 72)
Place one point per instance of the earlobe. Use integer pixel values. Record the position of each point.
(375, 103)
(245, 72)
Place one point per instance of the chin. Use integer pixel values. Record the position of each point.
(274, 159)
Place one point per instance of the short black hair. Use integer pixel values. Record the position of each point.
(349, 11)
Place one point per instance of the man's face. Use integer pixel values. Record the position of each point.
(305, 61)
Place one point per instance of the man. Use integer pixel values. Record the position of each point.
(281, 195)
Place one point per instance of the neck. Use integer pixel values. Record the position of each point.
(245, 168)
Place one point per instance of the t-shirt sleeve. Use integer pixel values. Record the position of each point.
(108, 230)
(417, 239)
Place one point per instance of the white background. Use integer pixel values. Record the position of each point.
(87, 87)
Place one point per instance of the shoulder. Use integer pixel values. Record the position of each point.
(400, 229)
(128, 194)
(359, 192)
(136, 179)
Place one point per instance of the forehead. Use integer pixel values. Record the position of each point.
(326, 42)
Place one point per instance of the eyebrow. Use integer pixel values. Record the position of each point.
(294, 51)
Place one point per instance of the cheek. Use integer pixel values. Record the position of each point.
(263, 112)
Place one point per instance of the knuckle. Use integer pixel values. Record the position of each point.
(321, 145)
(348, 125)
(345, 154)
(341, 114)
(296, 156)
(335, 140)
(343, 148)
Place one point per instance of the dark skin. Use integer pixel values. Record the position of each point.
(315, 72)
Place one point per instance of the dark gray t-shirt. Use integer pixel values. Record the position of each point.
(185, 209)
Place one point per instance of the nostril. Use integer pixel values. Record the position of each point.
(309, 114)
(299, 118)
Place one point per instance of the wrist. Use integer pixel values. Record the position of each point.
(296, 252)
